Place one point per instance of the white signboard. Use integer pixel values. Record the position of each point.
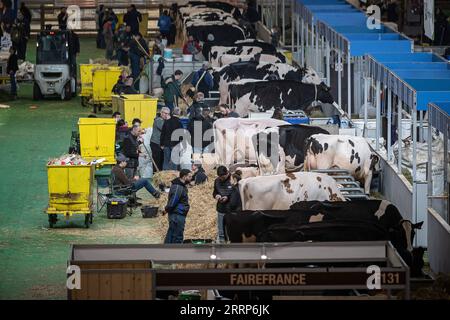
(428, 11)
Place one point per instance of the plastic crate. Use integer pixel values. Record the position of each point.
(116, 208)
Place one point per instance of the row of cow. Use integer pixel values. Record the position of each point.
(251, 75)
(279, 202)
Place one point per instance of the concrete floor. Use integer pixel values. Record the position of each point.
(32, 257)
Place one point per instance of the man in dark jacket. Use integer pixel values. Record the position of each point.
(178, 207)
(222, 192)
(155, 140)
(198, 129)
(62, 19)
(121, 179)
(132, 18)
(167, 143)
(130, 150)
(172, 89)
(138, 50)
(203, 80)
(11, 69)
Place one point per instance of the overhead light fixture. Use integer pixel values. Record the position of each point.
(263, 253)
(213, 255)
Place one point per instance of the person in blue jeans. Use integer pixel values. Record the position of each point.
(178, 207)
(121, 179)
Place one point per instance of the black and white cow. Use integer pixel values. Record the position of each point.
(253, 70)
(243, 49)
(344, 152)
(291, 139)
(261, 96)
(359, 220)
(267, 47)
(218, 31)
(226, 7)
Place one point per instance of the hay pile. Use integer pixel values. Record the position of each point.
(164, 178)
(103, 61)
(201, 222)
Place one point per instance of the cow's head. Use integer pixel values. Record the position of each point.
(375, 162)
(324, 93)
(402, 235)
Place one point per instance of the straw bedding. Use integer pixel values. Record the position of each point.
(201, 221)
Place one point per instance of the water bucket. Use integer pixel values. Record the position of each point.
(187, 57)
(168, 53)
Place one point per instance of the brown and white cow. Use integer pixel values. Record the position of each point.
(344, 152)
(233, 138)
(279, 192)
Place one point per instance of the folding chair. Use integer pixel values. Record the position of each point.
(104, 179)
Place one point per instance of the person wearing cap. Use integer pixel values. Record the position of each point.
(172, 89)
(203, 80)
(121, 179)
(168, 142)
(177, 207)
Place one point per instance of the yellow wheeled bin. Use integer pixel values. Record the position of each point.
(133, 106)
(86, 82)
(70, 190)
(98, 139)
(103, 80)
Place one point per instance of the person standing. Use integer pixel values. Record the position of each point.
(108, 35)
(164, 24)
(177, 207)
(172, 89)
(124, 42)
(155, 141)
(100, 19)
(11, 69)
(6, 15)
(203, 80)
(222, 192)
(235, 197)
(62, 19)
(132, 18)
(138, 52)
(24, 21)
(198, 129)
(168, 142)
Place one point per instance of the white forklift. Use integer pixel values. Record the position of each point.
(55, 69)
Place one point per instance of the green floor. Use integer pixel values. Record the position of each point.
(32, 257)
